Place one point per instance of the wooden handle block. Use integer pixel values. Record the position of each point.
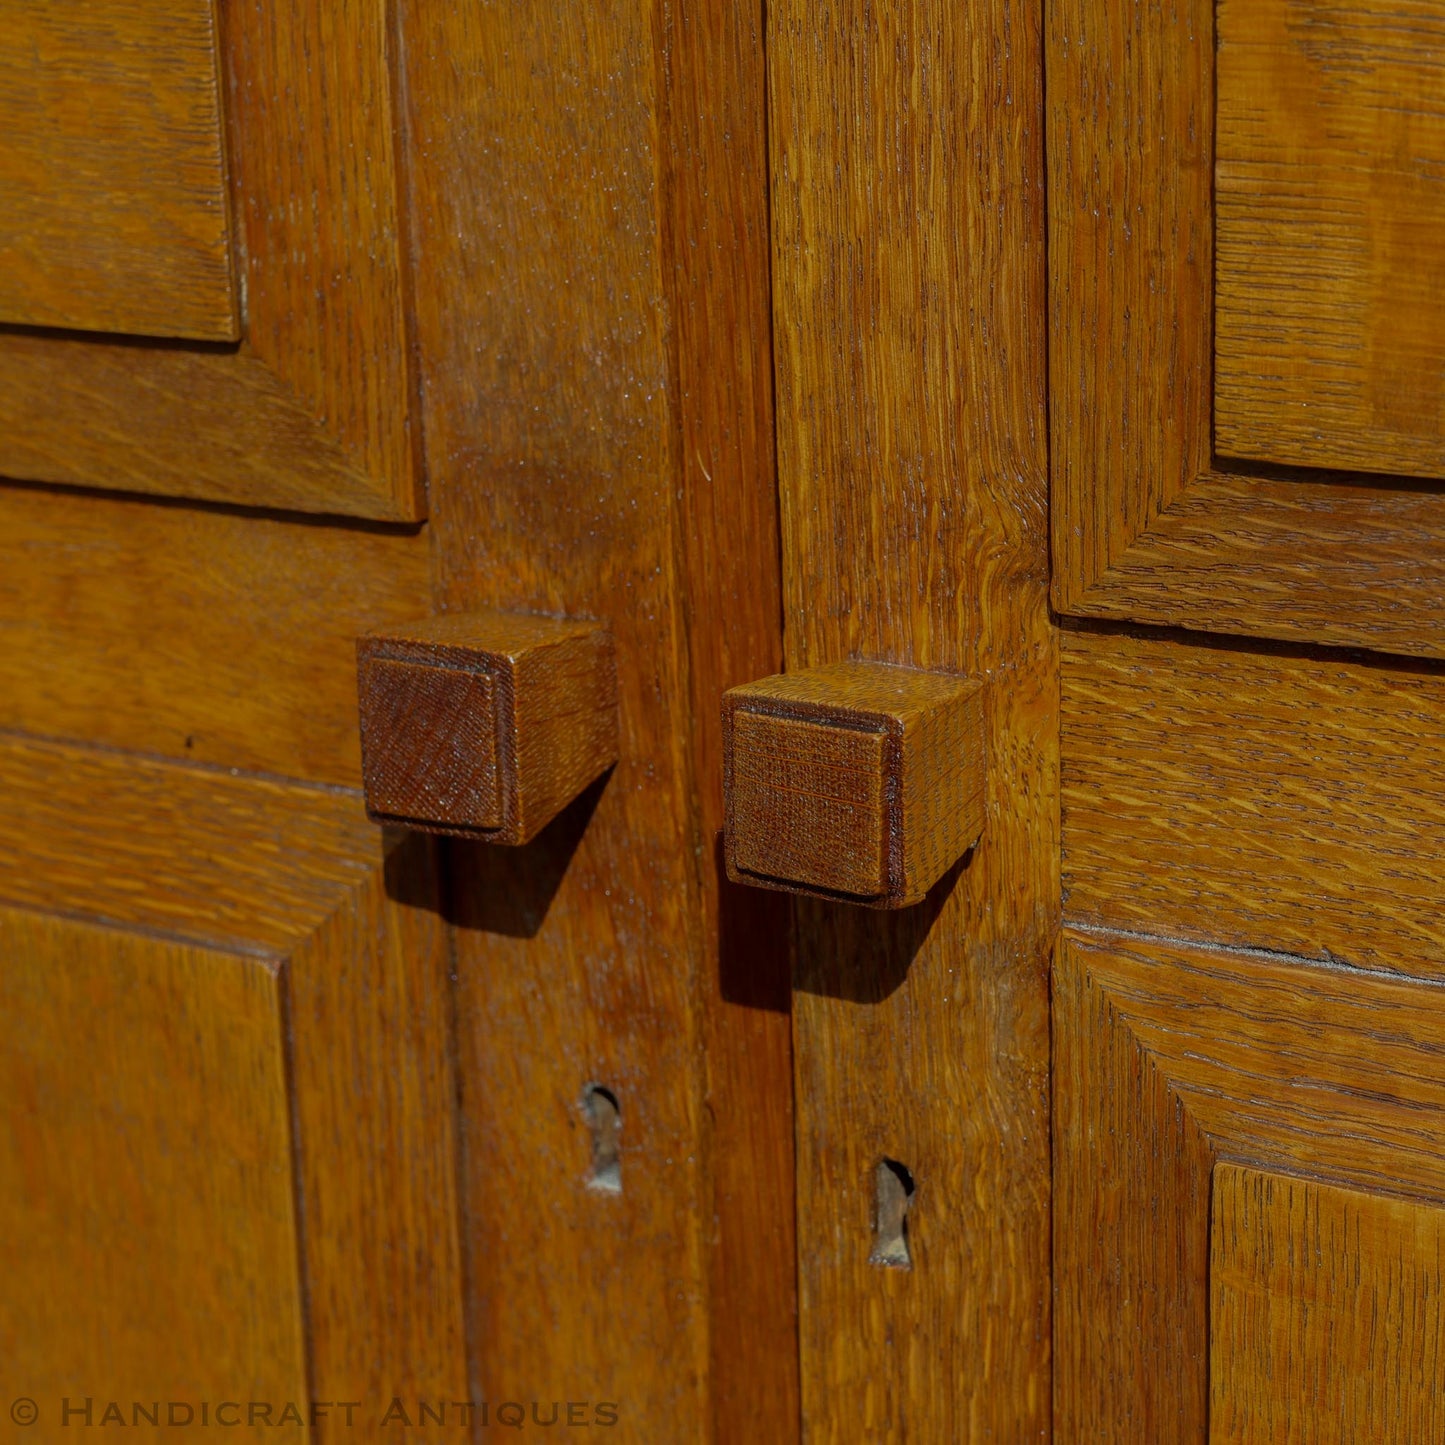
(859, 780)
(484, 725)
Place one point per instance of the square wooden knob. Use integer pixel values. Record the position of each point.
(859, 781)
(486, 724)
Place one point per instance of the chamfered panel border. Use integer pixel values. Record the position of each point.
(1170, 1058)
(1146, 523)
(314, 410)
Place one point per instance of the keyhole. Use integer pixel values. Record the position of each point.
(604, 1119)
(892, 1197)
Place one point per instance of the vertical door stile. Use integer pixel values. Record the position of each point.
(908, 271)
(718, 188)
(589, 207)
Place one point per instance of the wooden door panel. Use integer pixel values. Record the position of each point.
(204, 975)
(1255, 798)
(146, 1145)
(207, 635)
(1325, 1318)
(1330, 278)
(312, 408)
(1172, 1061)
(1149, 521)
(113, 207)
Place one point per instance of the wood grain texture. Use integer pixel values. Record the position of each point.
(216, 637)
(1130, 258)
(113, 206)
(545, 196)
(267, 954)
(909, 339)
(856, 778)
(1146, 525)
(1331, 562)
(716, 184)
(1329, 275)
(1255, 798)
(149, 1236)
(314, 410)
(373, 1067)
(1325, 1320)
(1167, 1058)
(485, 725)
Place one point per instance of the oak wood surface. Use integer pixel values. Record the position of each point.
(1130, 254)
(858, 778)
(1146, 523)
(909, 348)
(113, 206)
(227, 955)
(314, 410)
(716, 167)
(1329, 275)
(553, 419)
(146, 1141)
(1167, 1058)
(1325, 1321)
(485, 724)
(1339, 562)
(1257, 798)
(220, 637)
(373, 1066)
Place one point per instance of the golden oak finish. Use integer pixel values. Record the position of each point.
(485, 724)
(554, 410)
(313, 410)
(145, 1142)
(717, 168)
(909, 343)
(204, 635)
(584, 225)
(852, 778)
(1255, 798)
(219, 960)
(1146, 523)
(580, 950)
(1325, 1312)
(113, 208)
(1330, 305)
(1167, 1058)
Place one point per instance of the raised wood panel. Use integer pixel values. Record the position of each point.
(313, 411)
(1330, 278)
(615, 249)
(1255, 798)
(232, 1059)
(113, 206)
(1325, 1316)
(148, 1231)
(1147, 523)
(198, 634)
(909, 320)
(1168, 1059)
